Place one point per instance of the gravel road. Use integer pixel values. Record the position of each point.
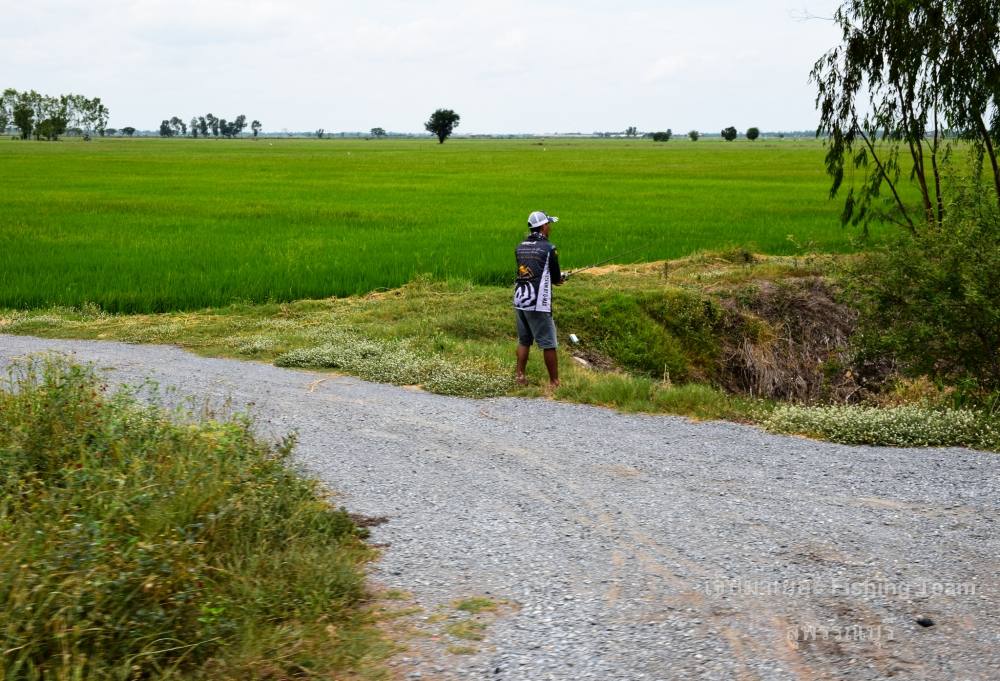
(629, 546)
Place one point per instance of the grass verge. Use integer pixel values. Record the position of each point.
(725, 335)
(650, 336)
(136, 545)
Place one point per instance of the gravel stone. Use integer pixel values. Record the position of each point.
(632, 546)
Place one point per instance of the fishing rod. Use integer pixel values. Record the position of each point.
(603, 262)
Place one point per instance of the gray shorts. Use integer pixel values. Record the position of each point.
(537, 327)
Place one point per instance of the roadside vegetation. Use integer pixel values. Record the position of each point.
(141, 544)
(651, 334)
(733, 335)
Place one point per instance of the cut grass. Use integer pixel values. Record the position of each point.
(161, 225)
(136, 546)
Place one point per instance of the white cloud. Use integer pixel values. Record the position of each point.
(504, 65)
(663, 67)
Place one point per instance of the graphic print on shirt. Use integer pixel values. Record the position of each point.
(524, 295)
(536, 263)
(527, 297)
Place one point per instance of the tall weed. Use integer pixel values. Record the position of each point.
(134, 546)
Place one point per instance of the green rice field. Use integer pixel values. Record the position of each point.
(145, 225)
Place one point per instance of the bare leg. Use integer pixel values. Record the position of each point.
(522, 362)
(552, 364)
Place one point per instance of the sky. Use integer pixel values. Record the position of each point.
(506, 66)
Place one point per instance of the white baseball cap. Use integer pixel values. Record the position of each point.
(540, 219)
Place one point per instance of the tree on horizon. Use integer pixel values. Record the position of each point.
(442, 123)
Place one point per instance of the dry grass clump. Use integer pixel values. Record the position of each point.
(398, 362)
(251, 344)
(23, 322)
(789, 340)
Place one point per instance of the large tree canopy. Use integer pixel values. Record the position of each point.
(442, 123)
(908, 76)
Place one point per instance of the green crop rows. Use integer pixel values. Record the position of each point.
(154, 225)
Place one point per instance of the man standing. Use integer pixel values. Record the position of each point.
(537, 272)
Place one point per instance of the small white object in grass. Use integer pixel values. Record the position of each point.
(573, 339)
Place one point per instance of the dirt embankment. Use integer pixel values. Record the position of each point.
(764, 326)
(788, 340)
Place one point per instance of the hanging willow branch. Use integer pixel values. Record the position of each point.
(902, 67)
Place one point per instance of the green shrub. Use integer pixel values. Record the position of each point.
(931, 300)
(133, 546)
(904, 426)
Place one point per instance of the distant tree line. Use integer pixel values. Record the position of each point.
(208, 125)
(48, 117)
(730, 133)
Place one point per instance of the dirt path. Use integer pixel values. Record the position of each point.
(632, 547)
